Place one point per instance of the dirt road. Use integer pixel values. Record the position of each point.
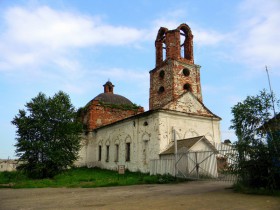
(190, 195)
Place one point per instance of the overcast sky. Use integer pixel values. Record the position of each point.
(76, 46)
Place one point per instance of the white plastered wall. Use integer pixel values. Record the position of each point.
(148, 136)
(186, 126)
(142, 134)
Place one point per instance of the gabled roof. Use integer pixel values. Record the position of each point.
(188, 103)
(188, 144)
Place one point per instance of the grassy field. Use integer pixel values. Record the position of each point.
(82, 177)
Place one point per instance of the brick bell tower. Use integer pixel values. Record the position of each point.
(175, 72)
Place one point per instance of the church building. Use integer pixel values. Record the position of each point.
(119, 132)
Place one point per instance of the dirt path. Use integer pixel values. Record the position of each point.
(191, 195)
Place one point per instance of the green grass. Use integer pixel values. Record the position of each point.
(83, 177)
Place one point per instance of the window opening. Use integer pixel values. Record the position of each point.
(161, 74)
(186, 72)
(187, 87)
(161, 89)
(145, 152)
(182, 43)
(117, 153)
(107, 153)
(163, 49)
(99, 152)
(127, 158)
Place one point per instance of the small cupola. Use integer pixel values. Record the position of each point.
(108, 87)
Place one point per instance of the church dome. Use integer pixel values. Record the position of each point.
(110, 98)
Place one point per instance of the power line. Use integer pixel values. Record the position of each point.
(272, 98)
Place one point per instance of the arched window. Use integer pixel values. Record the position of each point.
(182, 43)
(186, 42)
(160, 46)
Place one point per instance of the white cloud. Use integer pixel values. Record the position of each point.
(39, 35)
(202, 37)
(35, 36)
(258, 33)
(123, 74)
(208, 37)
(45, 44)
(44, 26)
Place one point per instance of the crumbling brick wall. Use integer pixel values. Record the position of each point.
(98, 115)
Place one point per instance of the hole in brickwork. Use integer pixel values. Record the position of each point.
(186, 72)
(161, 89)
(161, 74)
(187, 87)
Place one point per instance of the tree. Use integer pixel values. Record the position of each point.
(258, 142)
(48, 135)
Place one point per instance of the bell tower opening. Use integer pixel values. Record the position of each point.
(182, 43)
(186, 42)
(160, 45)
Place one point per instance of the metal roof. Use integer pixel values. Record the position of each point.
(110, 98)
(188, 144)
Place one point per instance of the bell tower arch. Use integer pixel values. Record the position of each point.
(175, 72)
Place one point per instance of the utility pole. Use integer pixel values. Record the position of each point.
(176, 151)
(272, 97)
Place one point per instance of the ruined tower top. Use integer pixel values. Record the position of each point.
(175, 72)
(174, 44)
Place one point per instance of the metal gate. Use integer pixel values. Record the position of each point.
(205, 164)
